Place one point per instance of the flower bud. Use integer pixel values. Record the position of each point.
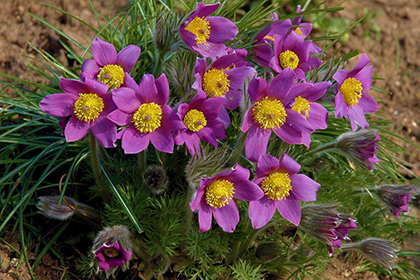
(396, 198)
(156, 179)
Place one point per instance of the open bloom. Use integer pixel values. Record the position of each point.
(351, 99)
(215, 197)
(144, 111)
(223, 78)
(292, 51)
(283, 188)
(304, 29)
(200, 117)
(325, 224)
(271, 112)
(87, 104)
(112, 247)
(396, 198)
(206, 34)
(107, 66)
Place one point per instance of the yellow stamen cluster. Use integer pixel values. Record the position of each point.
(219, 193)
(112, 75)
(88, 107)
(288, 59)
(269, 113)
(148, 117)
(277, 186)
(302, 106)
(195, 120)
(351, 90)
(111, 252)
(271, 38)
(298, 31)
(200, 27)
(216, 82)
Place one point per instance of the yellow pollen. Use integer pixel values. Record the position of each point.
(351, 90)
(194, 120)
(200, 27)
(88, 107)
(289, 59)
(298, 31)
(147, 118)
(269, 113)
(269, 38)
(302, 106)
(111, 253)
(277, 186)
(112, 75)
(216, 82)
(219, 193)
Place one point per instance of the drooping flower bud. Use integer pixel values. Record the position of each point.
(156, 179)
(396, 198)
(112, 249)
(381, 251)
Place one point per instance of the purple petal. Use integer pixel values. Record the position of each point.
(261, 211)
(73, 87)
(192, 142)
(103, 52)
(127, 57)
(368, 104)
(266, 165)
(147, 89)
(76, 129)
(132, 141)
(90, 69)
(210, 49)
(129, 82)
(317, 116)
(94, 86)
(105, 132)
(365, 77)
(223, 62)
(256, 142)
(248, 120)
(341, 108)
(247, 191)
(257, 89)
(361, 63)
(204, 10)
(289, 208)
(211, 107)
(207, 135)
(224, 118)
(287, 163)
(304, 188)
(198, 197)
(357, 117)
(232, 99)
(126, 99)
(238, 75)
(162, 86)
(58, 104)
(280, 86)
(227, 216)
(221, 29)
(163, 140)
(120, 118)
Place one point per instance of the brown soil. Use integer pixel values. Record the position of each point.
(391, 39)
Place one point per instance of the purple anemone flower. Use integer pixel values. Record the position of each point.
(143, 109)
(201, 118)
(87, 104)
(205, 34)
(215, 197)
(263, 45)
(272, 112)
(304, 29)
(107, 66)
(223, 78)
(305, 104)
(396, 198)
(351, 99)
(283, 189)
(111, 255)
(292, 51)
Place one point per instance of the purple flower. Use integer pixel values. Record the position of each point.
(143, 109)
(206, 35)
(224, 77)
(360, 146)
(304, 29)
(351, 99)
(313, 112)
(107, 66)
(283, 189)
(87, 104)
(396, 198)
(215, 197)
(111, 255)
(271, 112)
(200, 118)
(263, 45)
(325, 224)
(292, 51)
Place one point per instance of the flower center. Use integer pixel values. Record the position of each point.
(112, 75)
(277, 186)
(298, 31)
(195, 120)
(219, 193)
(269, 113)
(301, 106)
(111, 253)
(289, 59)
(147, 118)
(88, 107)
(351, 90)
(200, 28)
(216, 83)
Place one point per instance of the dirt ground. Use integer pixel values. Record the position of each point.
(390, 36)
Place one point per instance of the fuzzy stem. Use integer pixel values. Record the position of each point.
(234, 252)
(141, 162)
(189, 213)
(239, 149)
(95, 160)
